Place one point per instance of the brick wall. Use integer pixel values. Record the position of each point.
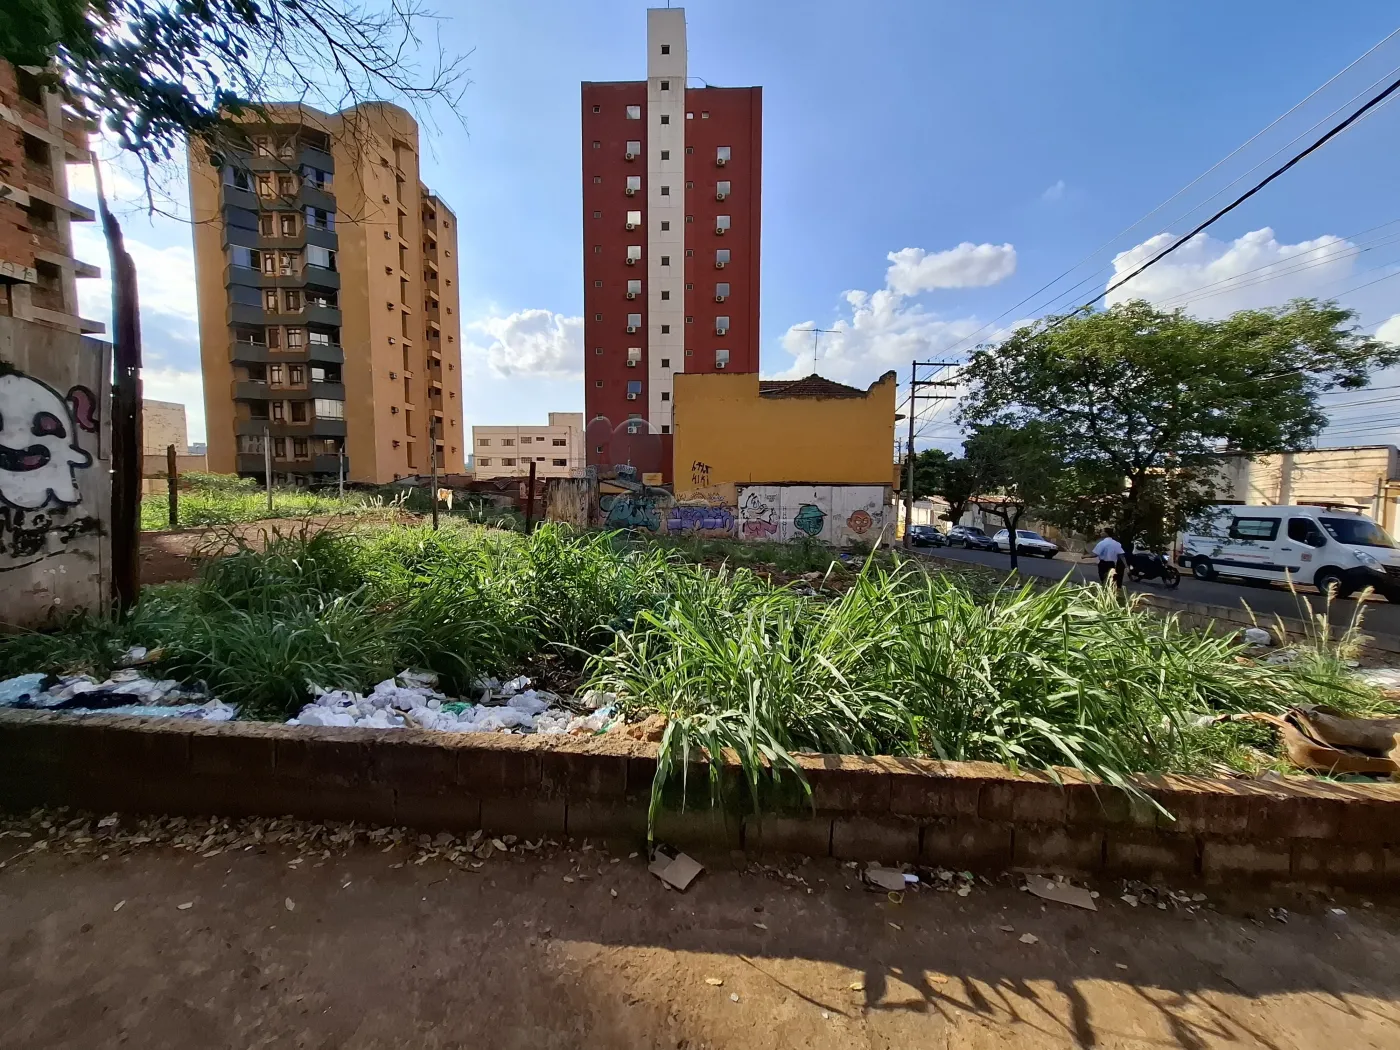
(959, 815)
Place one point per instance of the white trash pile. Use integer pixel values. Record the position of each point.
(127, 692)
(411, 701)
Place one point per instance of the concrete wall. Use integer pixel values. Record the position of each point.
(1364, 477)
(163, 424)
(55, 504)
(960, 815)
(727, 432)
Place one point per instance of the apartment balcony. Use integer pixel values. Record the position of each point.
(237, 198)
(328, 391)
(325, 354)
(256, 353)
(281, 428)
(307, 276)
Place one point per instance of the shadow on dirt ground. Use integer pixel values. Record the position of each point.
(581, 948)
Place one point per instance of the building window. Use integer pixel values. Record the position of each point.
(296, 375)
(665, 154)
(634, 112)
(286, 185)
(689, 185)
(289, 225)
(704, 114)
(274, 375)
(665, 50)
(278, 411)
(689, 319)
(665, 296)
(690, 218)
(597, 109)
(293, 300)
(295, 338)
(690, 353)
(279, 448)
(722, 290)
(689, 150)
(721, 358)
(270, 300)
(561, 462)
(598, 383)
(484, 461)
(689, 287)
(329, 409)
(665, 329)
(597, 249)
(597, 215)
(665, 225)
(597, 284)
(597, 144)
(265, 225)
(484, 442)
(665, 395)
(507, 462)
(597, 179)
(665, 118)
(665, 85)
(665, 362)
(265, 186)
(597, 317)
(665, 191)
(598, 350)
(274, 339)
(665, 260)
(721, 256)
(559, 442)
(299, 412)
(665, 428)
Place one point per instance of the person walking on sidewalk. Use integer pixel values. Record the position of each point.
(1110, 554)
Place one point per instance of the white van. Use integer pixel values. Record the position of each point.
(1336, 550)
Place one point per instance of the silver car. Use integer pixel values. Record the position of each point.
(1027, 542)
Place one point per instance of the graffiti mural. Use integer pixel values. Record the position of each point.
(757, 515)
(859, 522)
(809, 520)
(704, 520)
(630, 510)
(39, 452)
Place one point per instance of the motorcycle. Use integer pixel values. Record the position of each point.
(1147, 565)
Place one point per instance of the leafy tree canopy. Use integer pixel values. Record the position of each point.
(154, 71)
(1137, 405)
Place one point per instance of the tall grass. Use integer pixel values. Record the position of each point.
(903, 662)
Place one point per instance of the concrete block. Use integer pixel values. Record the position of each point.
(705, 829)
(1212, 810)
(527, 817)
(917, 793)
(963, 843)
(437, 811)
(324, 760)
(1151, 854)
(1223, 859)
(890, 841)
(583, 776)
(1333, 863)
(1038, 847)
(607, 821)
(1104, 806)
(810, 836)
(1295, 816)
(415, 768)
(497, 771)
(847, 783)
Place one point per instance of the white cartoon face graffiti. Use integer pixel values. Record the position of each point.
(39, 451)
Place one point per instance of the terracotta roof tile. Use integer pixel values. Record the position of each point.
(809, 386)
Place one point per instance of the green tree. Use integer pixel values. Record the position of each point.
(154, 71)
(1137, 405)
(1017, 473)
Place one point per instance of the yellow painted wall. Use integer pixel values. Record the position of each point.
(725, 432)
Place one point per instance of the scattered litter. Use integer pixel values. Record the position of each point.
(1007, 929)
(1279, 914)
(1381, 677)
(1061, 892)
(186, 906)
(1029, 938)
(884, 878)
(410, 700)
(139, 655)
(1121, 966)
(733, 997)
(290, 904)
(1257, 636)
(910, 879)
(568, 878)
(678, 872)
(714, 982)
(895, 925)
(118, 905)
(760, 926)
(1129, 899)
(127, 692)
(1339, 911)
(857, 986)
(613, 892)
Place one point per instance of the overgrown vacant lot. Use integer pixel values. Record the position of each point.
(895, 661)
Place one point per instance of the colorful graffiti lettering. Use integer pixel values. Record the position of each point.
(860, 522)
(809, 519)
(39, 451)
(706, 519)
(630, 511)
(756, 515)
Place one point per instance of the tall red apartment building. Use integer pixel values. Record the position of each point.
(671, 184)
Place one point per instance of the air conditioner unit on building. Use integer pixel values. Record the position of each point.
(721, 298)
(631, 329)
(631, 295)
(721, 331)
(629, 156)
(631, 191)
(631, 364)
(631, 261)
(720, 196)
(719, 231)
(631, 225)
(719, 265)
(631, 397)
(721, 364)
(720, 162)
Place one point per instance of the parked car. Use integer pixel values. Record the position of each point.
(926, 536)
(1027, 542)
(969, 536)
(1334, 550)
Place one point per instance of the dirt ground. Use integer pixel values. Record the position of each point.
(579, 948)
(176, 554)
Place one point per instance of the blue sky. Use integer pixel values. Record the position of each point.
(1027, 133)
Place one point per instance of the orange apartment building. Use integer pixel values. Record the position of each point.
(328, 300)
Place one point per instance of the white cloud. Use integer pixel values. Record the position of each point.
(1212, 278)
(885, 329)
(1054, 192)
(913, 270)
(1389, 331)
(170, 384)
(537, 343)
(164, 278)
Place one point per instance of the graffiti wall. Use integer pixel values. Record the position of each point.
(54, 483)
(835, 514)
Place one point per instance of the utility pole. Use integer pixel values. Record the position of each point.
(432, 464)
(932, 368)
(267, 466)
(341, 459)
(172, 479)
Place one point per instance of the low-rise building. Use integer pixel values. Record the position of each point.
(557, 450)
(1362, 477)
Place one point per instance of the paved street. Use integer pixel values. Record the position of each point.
(1264, 598)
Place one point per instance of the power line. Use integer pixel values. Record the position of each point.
(1297, 158)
